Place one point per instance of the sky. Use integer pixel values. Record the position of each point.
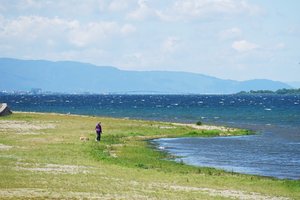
(229, 39)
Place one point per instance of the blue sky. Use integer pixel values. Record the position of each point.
(230, 39)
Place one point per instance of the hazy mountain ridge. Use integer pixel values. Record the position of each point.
(72, 77)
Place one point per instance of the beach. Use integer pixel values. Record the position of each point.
(43, 157)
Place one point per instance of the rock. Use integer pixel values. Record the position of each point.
(4, 109)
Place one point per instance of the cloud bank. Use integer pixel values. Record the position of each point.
(225, 38)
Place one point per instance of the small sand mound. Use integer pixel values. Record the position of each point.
(54, 168)
(234, 194)
(207, 127)
(23, 125)
(24, 128)
(5, 147)
(39, 193)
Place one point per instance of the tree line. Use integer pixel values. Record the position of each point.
(280, 91)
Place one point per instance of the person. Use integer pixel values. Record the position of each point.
(98, 131)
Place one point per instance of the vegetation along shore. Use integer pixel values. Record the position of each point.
(55, 156)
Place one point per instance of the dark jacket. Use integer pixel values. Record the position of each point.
(98, 128)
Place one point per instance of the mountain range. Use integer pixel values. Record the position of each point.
(77, 77)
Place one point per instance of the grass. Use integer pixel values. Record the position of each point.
(38, 162)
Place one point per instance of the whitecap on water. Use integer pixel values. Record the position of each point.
(294, 143)
(51, 101)
(268, 109)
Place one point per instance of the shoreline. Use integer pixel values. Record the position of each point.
(223, 131)
(46, 152)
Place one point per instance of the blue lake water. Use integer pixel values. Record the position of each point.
(274, 151)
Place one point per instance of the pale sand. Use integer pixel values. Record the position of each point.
(207, 127)
(5, 147)
(54, 168)
(24, 125)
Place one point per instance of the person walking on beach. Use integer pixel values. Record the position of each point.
(98, 131)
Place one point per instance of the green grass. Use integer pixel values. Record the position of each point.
(53, 163)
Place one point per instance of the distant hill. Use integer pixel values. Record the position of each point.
(76, 77)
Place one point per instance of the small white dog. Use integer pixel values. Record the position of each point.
(84, 138)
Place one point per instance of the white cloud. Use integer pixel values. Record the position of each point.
(186, 9)
(135, 9)
(141, 12)
(231, 33)
(28, 28)
(244, 46)
(280, 45)
(37, 30)
(27, 4)
(170, 44)
(70, 9)
(118, 5)
(128, 29)
(93, 33)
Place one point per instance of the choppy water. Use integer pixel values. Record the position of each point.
(274, 151)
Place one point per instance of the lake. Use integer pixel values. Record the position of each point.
(273, 151)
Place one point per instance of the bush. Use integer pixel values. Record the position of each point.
(199, 123)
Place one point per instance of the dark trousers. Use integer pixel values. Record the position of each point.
(98, 136)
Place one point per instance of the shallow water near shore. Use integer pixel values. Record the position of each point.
(264, 154)
(274, 151)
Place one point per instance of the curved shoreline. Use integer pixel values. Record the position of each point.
(222, 131)
(51, 158)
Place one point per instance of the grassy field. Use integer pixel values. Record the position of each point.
(42, 157)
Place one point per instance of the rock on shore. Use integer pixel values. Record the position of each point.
(4, 109)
